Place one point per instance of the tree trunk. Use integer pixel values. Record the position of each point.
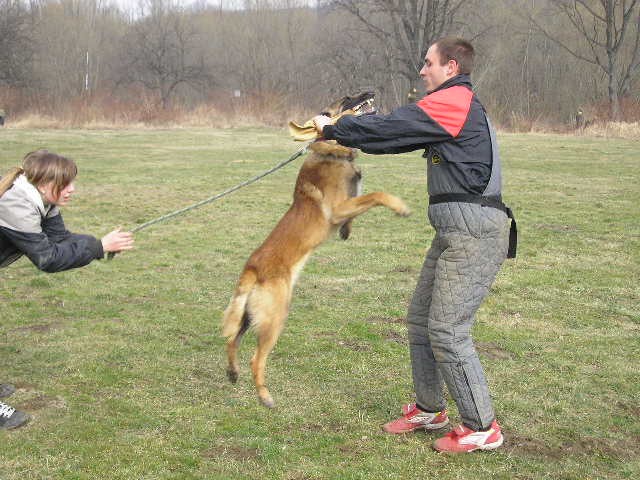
(614, 101)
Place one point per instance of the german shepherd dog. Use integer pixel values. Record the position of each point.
(326, 198)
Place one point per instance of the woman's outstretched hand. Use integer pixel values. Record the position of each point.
(117, 241)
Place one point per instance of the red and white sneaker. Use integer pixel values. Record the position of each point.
(414, 419)
(463, 439)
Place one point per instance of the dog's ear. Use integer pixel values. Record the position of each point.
(335, 107)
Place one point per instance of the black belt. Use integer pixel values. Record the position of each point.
(494, 202)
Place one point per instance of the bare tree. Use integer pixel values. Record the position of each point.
(608, 36)
(162, 52)
(404, 28)
(16, 49)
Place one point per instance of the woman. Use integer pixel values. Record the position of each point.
(31, 225)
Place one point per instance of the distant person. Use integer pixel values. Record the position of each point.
(412, 95)
(471, 241)
(579, 119)
(31, 225)
(2, 115)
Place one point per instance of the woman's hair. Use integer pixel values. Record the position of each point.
(42, 167)
(8, 178)
(458, 49)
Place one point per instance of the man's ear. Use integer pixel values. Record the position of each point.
(453, 67)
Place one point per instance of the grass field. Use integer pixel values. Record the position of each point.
(121, 366)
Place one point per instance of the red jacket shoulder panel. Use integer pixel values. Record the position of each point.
(448, 107)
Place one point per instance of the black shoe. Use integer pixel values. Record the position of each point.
(11, 418)
(6, 390)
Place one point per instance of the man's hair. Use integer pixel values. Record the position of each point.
(458, 49)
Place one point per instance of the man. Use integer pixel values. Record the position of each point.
(470, 244)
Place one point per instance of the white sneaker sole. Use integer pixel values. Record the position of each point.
(490, 446)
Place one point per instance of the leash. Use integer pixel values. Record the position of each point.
(215, 197)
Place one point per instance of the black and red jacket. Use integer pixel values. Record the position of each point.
(449, 122)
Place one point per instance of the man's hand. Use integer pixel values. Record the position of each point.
(117, 241)
(321, 121)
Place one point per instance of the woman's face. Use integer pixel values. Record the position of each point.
(63, 197)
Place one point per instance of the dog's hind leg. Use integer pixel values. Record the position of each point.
(232, 348)
(237, 320)
(267, 339)
(345, 230)
(269, 322)
(355, 189)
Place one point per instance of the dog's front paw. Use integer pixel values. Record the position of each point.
(402, 209)
(405, 212)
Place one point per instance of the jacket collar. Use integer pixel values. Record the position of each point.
(462, 79)
(32, 193)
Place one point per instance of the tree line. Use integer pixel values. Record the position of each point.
(537, 60)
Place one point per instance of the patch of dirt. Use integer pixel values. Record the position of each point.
(325, 425)
(492, 351)
(385, 320)
(107, 320)
(40, 402)
(355, 448)
(347, 449)
(556, 227)
(324, 335)
(396, 337)
(632, 410)
(27, 387)
(37, 328)
(298, 476)
(403, 269)
(353, 345)
(237, 453)
(621, 448)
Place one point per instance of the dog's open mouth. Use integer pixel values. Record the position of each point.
(359, 104)
(368, 107)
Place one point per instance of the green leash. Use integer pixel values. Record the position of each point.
(297, 154)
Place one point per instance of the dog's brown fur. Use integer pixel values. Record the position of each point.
(324, 200)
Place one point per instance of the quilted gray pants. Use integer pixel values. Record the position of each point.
(466, 253)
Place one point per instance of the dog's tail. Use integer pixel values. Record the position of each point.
(235, 320)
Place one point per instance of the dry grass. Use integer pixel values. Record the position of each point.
(138, 109)
(627, 130)
(208, 116)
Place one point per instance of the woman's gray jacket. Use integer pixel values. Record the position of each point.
(30, 227)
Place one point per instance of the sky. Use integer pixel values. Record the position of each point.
(132, 5)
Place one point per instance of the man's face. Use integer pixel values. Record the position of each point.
(433, 74)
